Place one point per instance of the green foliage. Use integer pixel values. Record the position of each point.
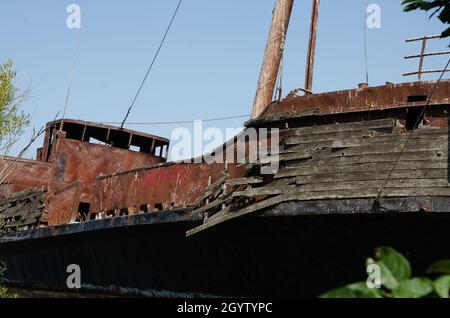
(357, 290)
(441, 267)
(394, 267)
(3, 290)
(12, 119)
(439, 7)
(413, 288)
(396, 280)
(442, 286)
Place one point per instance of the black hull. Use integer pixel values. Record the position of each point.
(273, 255)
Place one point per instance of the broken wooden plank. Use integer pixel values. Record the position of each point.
(294, 171)
(264, 191)
(282, 117)
(363, 140)
(371, 184)
(232, 215)
(368, 193)
(245, 181)
(378, 148)
(373, 175)
(211, 205)
(373, 158)
(334, 128)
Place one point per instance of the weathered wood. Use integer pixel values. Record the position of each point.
(211, 205)
(374, 124)
(360, 133)
(379, 148)
(245, 181)
(355, 185)
(373, 158)
(327, 139)
(299, 155)
(272, 56)
(281, 117)
(374, 175)
(232, 215)
(219, 182)
(264, 191)
(421, 184)
(22, 209)
(289, 172)
(367, 193)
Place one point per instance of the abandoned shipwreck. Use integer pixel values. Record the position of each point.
(357, 169)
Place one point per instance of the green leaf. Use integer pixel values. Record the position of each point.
(442, 286)
(440, 267)
(413, 288)
(397, 264)
(356, 290)
(364, 291)
(387, 279)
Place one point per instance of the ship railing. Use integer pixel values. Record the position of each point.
(423, 54)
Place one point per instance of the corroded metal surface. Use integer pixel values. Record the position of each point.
(388, 96)
(72, 158)
(159, 188)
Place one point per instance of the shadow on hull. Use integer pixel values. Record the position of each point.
(270, 256)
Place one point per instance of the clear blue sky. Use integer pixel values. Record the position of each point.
(210, 63)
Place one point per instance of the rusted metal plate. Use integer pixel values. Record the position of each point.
(369, 99)
(166, 187)
(23, 174)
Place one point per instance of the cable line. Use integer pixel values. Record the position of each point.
(180, 122)
(153, 62)
(411, 133)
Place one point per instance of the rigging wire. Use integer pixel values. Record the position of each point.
(365, 42)
(72, 73)
(180, 122)
(411, 133)
(279, 90)
(69, 88)
(153, 62)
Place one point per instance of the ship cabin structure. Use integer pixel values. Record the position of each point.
(61, 183)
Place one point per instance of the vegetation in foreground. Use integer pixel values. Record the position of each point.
(396, 281)
(441, 8)
(4, 293)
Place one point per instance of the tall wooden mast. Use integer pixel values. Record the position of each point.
(272, 56)
(312, 46)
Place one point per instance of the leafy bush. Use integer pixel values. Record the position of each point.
(4, 293)
(396, 280)
(439, 7)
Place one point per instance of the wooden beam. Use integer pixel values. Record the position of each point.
(312, 46)
(272, 56)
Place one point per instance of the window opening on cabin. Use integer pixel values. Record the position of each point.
(159, 207)
(83, 210)
(143, 208)
(414, 118)
(108, 136)
(417, 98)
